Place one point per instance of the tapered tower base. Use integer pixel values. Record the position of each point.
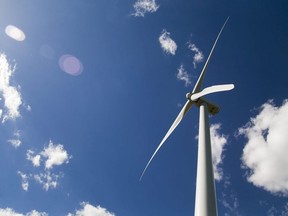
(205, 200)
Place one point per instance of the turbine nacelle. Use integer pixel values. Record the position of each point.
(213, 109)
(198, 100)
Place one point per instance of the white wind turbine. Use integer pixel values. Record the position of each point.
(205, 199)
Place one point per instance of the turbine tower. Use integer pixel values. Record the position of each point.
(205, 198)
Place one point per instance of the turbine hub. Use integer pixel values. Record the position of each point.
(188, 95)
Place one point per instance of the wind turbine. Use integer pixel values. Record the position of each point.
(205, 199)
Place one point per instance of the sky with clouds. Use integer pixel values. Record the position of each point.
(89, 89)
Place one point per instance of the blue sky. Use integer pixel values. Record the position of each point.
(89, 88)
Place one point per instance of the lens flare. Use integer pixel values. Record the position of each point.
(70, 64)
(15, 33)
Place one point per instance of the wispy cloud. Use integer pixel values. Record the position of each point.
(198, 55)
(229, 199)
(218, 141)
(28, 108)
(47, 179)
(10, 94)
(183, 75)
(89, 210)
(11, 212)
(24, 182)
(231, 204)
(15, 142)
(142, 7)
(167, 44)
(265, 153)
(279, 211)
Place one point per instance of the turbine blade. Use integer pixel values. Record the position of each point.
(212, 89)
(200, 79)
(180, 116)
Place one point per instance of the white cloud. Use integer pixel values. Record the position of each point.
(183, 75)
(87, 210)
(55, 154)
(11, 212)
(25, 183)
(167, 44)
(142, 7)
(198, 56)
(218, 142)
(265, 153)
(34, 159)
(90, 210)
(36, 213)
(10, 94)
